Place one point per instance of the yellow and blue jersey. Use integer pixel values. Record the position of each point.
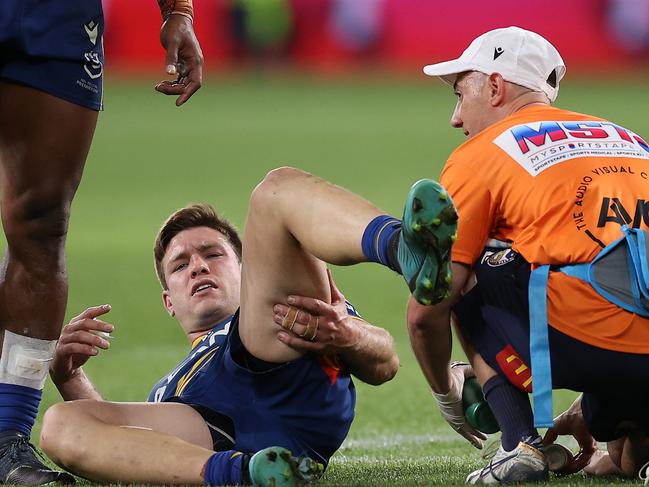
(306, 405)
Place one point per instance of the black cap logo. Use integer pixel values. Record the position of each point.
(497, 52)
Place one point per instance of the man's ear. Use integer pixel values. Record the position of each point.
(166, 300)
(496, 85)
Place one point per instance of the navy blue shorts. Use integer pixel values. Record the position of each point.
(494, 316)
(54, 46)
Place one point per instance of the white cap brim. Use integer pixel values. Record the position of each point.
(448, 70)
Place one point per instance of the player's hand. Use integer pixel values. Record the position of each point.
(80, 339)
(308, 324)
(183, 59)
(450, 404)
(571, 422)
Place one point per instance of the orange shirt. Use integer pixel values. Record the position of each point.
(558, 185)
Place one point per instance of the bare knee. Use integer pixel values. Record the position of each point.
(37, 217)
(275, 183)
(282, 175)
(62, 435)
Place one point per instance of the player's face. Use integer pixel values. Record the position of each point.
(473, 112)
(203, 277)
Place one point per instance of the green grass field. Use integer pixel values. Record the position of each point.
(374, 136)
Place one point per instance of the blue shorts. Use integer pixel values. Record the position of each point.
(54, 46)
(306, 405)
(494, 317)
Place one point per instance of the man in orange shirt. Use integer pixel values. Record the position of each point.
(551, 188)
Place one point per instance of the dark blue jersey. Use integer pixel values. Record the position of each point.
(306, 405)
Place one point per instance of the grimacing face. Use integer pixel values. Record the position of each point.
(203, 276)
(473, 111)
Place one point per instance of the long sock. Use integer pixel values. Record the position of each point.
(512, 410)
(225, 468)
(18, 408)
(380, 241)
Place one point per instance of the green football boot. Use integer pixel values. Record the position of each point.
(277, 467)
(427, 235)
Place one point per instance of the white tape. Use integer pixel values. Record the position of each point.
(25, 360)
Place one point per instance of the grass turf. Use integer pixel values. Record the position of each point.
(375, 137)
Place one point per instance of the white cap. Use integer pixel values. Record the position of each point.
(518, 55)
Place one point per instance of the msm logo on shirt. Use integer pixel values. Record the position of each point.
(537, 146)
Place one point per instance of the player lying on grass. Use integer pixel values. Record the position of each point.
(558, 187)
(249, 384)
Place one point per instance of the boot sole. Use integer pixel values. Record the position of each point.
(430, 221)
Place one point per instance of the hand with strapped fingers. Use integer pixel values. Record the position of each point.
(80, 339)
(309, 324)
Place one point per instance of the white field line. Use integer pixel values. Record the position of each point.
(390, 441)
(378, 460)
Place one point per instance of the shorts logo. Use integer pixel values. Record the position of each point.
(92, 29)
(93, 65)
(497, 259)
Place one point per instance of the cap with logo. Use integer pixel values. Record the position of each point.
(518, 55)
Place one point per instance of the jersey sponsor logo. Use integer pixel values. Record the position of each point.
(613, 211)
(538, 146)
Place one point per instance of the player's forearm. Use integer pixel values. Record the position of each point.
(180, 7)
(430, 337)
(373, 359)
(76, 387)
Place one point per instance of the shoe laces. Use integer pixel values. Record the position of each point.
(643, 474)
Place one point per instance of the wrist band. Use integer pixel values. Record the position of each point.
(180, 7)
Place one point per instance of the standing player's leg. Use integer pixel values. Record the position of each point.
(297, 222)
(44, 142)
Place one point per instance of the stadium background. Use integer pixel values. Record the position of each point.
(334, 87)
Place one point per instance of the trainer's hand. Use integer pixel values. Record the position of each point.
(80, 340)
(184, 58)
(450, 404)
(308, 324)
(571, 422)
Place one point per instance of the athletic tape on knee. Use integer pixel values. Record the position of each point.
(25, 361)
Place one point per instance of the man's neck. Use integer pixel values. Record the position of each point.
(195, 335)
(202, 329)
(527, 100)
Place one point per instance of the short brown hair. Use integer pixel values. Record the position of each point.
(191, 216)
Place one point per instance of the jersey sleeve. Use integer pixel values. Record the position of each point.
(351, 310)
(476, 210)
